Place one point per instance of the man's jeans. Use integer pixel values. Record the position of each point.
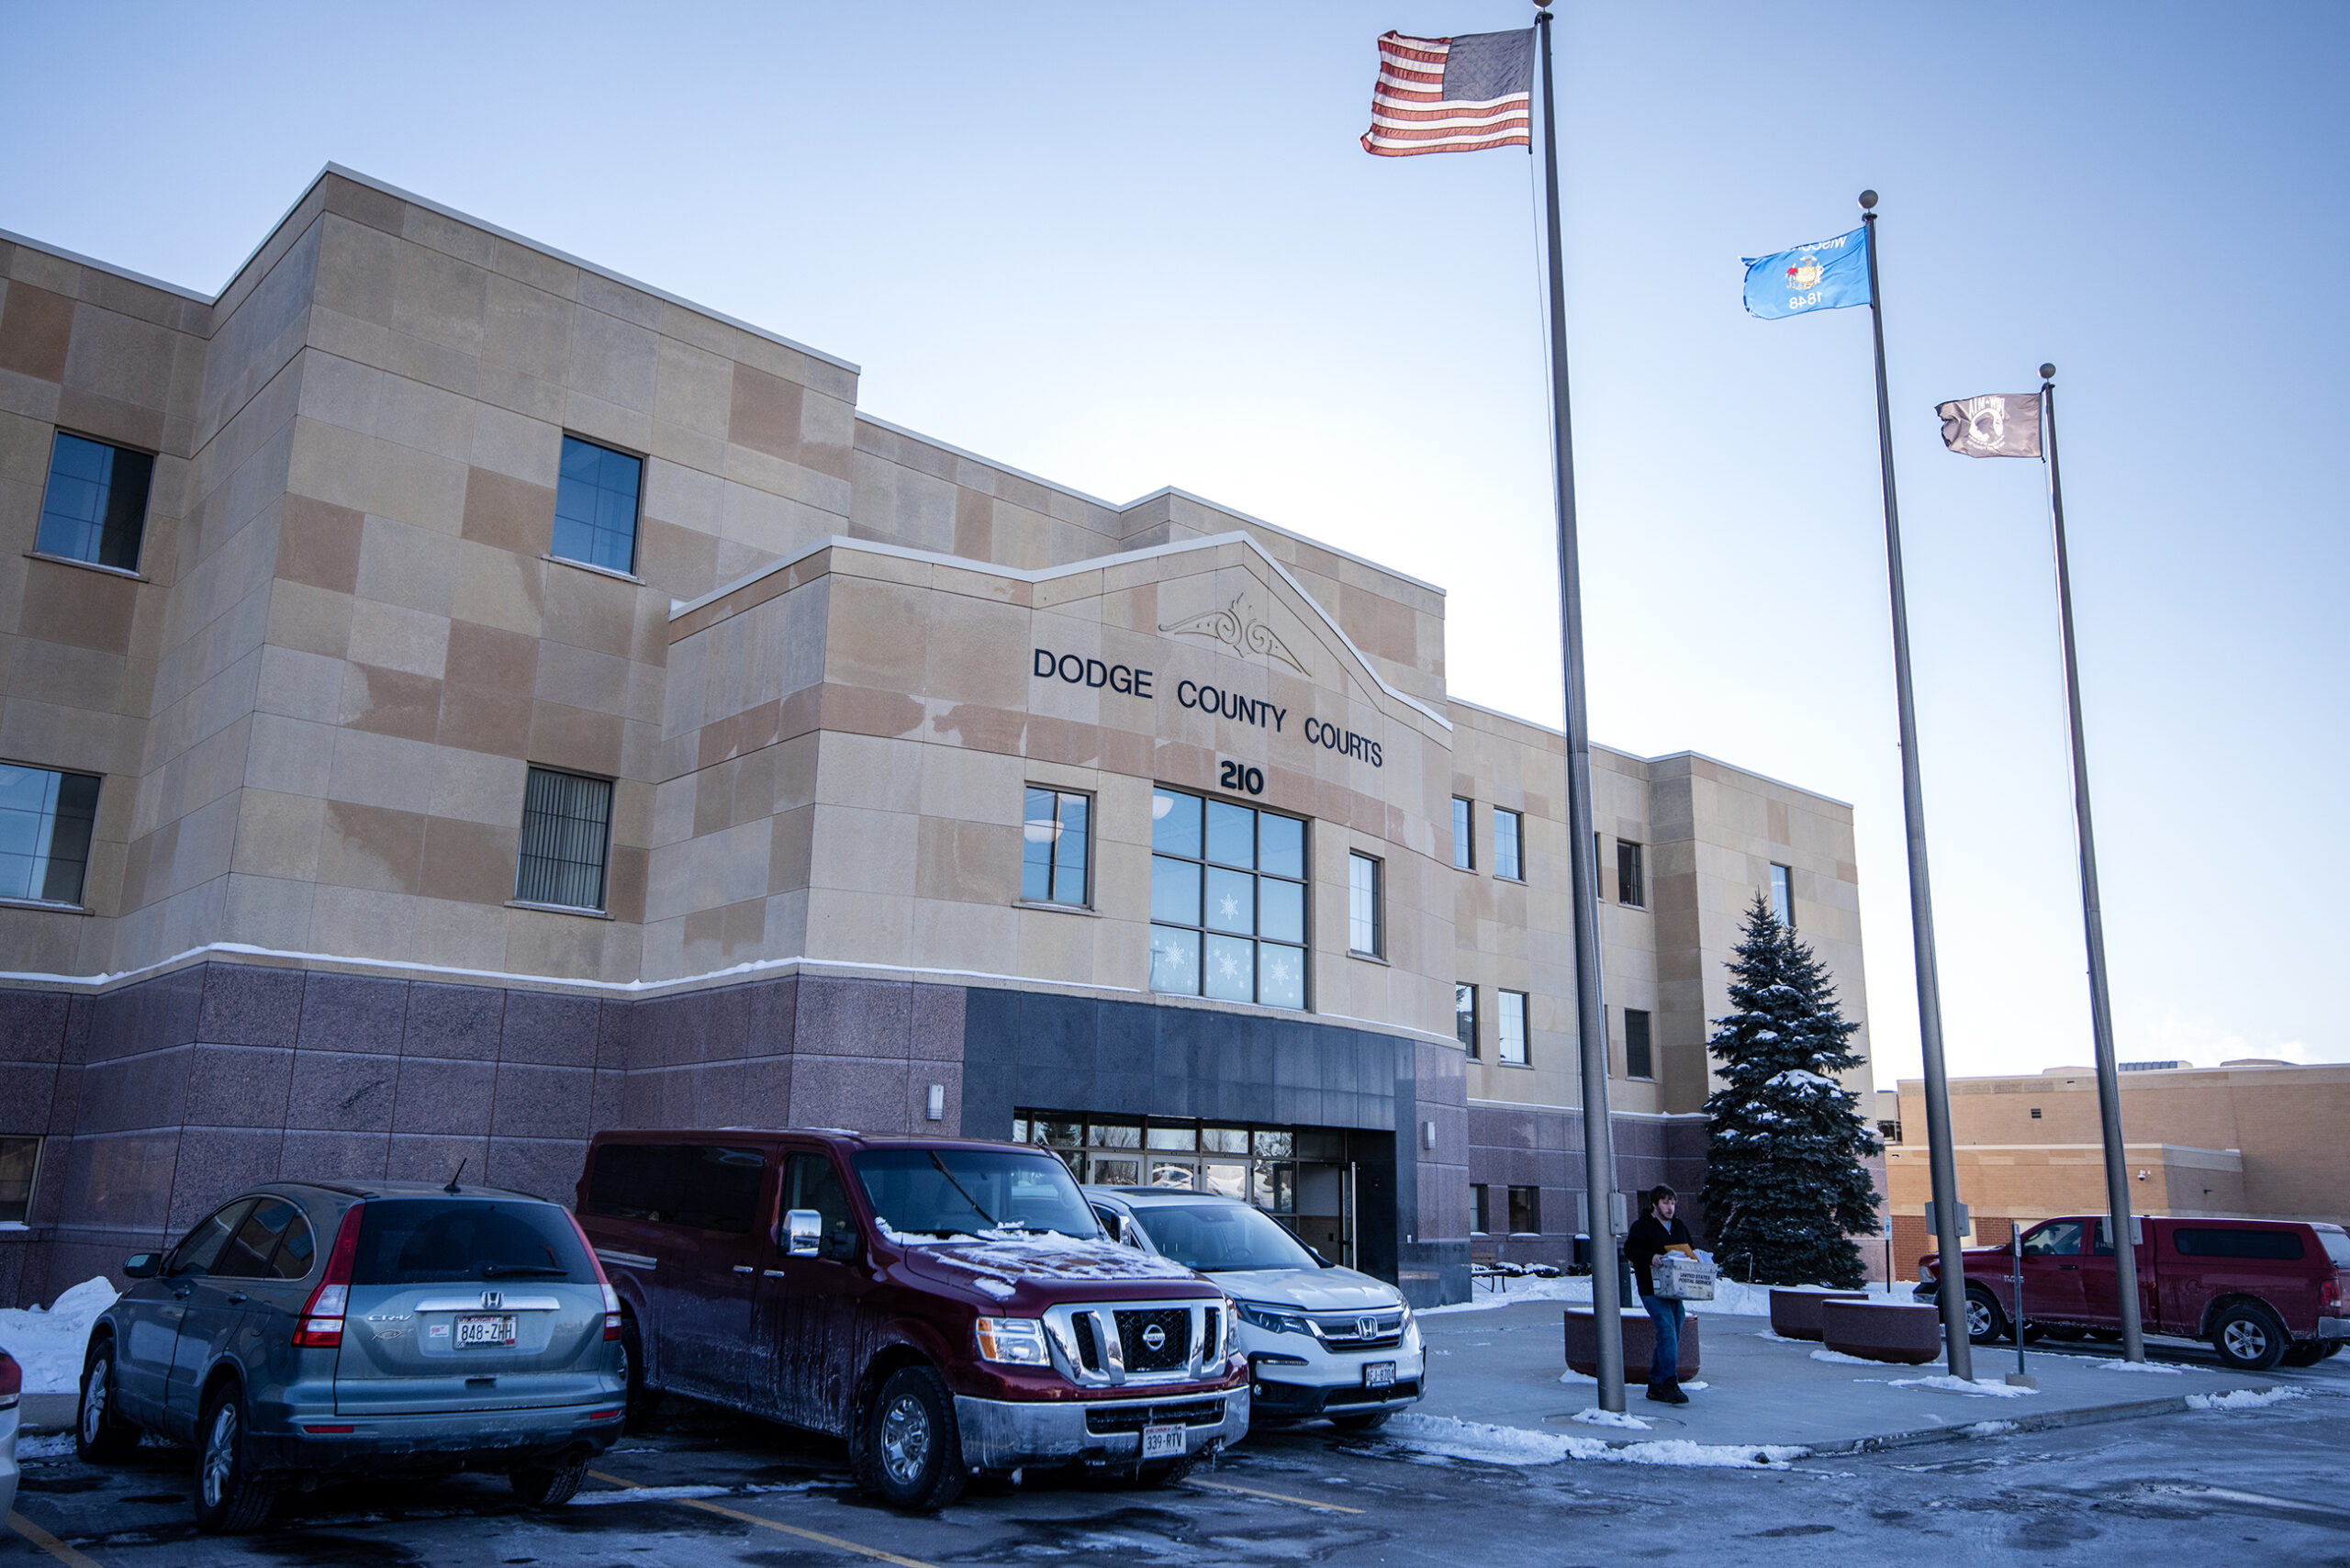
(1665, 1366)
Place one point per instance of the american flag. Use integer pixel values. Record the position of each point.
(1456, 94)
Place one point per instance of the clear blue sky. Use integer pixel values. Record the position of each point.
(1125, 246)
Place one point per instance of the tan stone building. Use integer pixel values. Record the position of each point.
(2256, 1138)
(457, 698)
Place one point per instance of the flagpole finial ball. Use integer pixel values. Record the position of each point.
(1868, 199)
(2048, 372)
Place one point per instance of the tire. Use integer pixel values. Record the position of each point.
(906, 1449)
(101, 1435)
(2248, 1337)
(1986, 1323)
(1369, 1421)
(1164, 1471)
(2303, 1355)
(548, 1486)
(2332, 1348)
(230, 1498)
(639, 1401)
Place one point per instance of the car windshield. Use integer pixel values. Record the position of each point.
(1221, 1237)
(435, 1241)
(948, 1193)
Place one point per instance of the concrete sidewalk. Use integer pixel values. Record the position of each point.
(1502, 1366)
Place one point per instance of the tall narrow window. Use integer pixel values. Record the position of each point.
(1464, 1015)
(1227, 902)
(1630, 886)
(96, 507)
(1512, 1028)
(1783, 896)
(1506, 827)
(1053, 847)
(1464, 846)
(45, 823)
(567, 836)
(595, 506)
(1526, 1211)
(1640, 1060)
(1480, 1208)
(20, 1161)
(1366, 923)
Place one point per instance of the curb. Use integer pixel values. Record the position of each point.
(38, 1412)
(2054, 1421)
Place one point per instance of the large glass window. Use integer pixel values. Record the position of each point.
(45, 823)
(1640, 1059)
(1366, 922)
(20, 1160)
(595, 506)
(1513, 1027)
(1464, 1015)
(1227, 902)
(567, 833)
(1506, 856)
(1464, 838)
(96, 507)
(1053, 847)
(1631, 884)
(1783, 896)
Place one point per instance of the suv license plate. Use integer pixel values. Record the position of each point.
(473, 1331)
(1162, 1443)
(1379, 1374)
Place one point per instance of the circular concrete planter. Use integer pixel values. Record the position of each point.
(1795, 1313)
(1883, 1331)
(1639, 1344)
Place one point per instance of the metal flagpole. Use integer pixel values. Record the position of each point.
(2109, 1075)
(1591, 1024)
(1952, 1287)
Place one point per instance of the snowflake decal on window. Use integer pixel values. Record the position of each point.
(1227, 967)
(1229, 907)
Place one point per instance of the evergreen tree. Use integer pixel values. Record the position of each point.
(1785, 1187)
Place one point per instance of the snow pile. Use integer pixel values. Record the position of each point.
(648, 1495)
(1990, 1428)
(2138, 1367)
(2243, 1399)
(1570, 1375)
(1490, 1444)
(1595, 1417)
(48, 1343)
(56, 1445)
(1948, 1384)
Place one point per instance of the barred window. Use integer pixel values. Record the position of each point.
(1053, 844)
(46, 818)
(595, 506)
(1507, 859)
(1639, 1060)
(96, 507)
(1227, 902)
(566, 836)
(1513, 1028)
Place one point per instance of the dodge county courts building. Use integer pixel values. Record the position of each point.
(457, 699)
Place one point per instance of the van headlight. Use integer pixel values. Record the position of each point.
(1012, 1342)
(1272, 1319)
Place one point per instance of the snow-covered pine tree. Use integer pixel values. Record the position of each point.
(1784, 1186)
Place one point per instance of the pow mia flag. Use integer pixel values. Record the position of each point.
(1998, 424)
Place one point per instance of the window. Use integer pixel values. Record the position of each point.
(1464, 846)
(1365, 927)
(2061, 1238)
(701, 1185)
(2279, 1246)
(274, 1243)
(1629, 887)
(595, 506)
(45, 823)
(1505, 854)
(20, 1161)
(1783, 896)
(1464, 1015)
(1526, 1211)
(2035, 1112)
(566, 832)
(1640, 1060)
(96, 509)
(1513, 1027)
(1053, 847)
(1480, 1208)
(1227, 902)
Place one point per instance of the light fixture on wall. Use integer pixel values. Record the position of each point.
(1427, 1135)
(937, 1108)
(2141, 1175)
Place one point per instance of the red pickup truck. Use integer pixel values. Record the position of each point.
(2261, 1291)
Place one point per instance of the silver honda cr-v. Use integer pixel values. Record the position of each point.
(305, 1330)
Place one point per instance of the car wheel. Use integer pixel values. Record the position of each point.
(1986, 1323)
(639, 1400)
(906, 1450)
(230, 1497)
(548, 1486)
(1369, 1421)
(2332, 1348)
(2249, 1337)
(101, 1435)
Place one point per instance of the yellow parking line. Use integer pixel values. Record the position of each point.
(832, 1541)
(1277, 1496)
(49, 1544)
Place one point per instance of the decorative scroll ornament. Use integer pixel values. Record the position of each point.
(1232, 627)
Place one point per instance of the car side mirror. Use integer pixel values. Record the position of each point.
(803, 1233)
(142, 1265)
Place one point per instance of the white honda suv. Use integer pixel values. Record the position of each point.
(1321, 1340)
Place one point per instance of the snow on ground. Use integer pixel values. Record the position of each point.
(1595, 1417)
(56, 1445)
(1990, 1428)
(2139, 1367)
(1732, 1298)
(48, 1342)
(2243, 1399)
(1490, 1444)
(1948, 1384)
(1842, 1360)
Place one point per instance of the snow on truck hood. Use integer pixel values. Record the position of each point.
(1312, 1290)
(1001, 1263)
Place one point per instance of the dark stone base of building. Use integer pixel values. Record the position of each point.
(160, 1099)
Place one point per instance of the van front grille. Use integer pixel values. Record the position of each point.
(1168, 1349)
(1135, 1417)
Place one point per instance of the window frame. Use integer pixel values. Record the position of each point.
(138, 529)
(1631, 875)
(1782, 887)
(1378, 898)
(1481, 1208)
(601, 907)
(1464, 834)
(1515, 863)
(31, 898)
(1475, 1020)
(1525, 1029)
(1647, 1073)
(1052, 899)
(1200, 931)
(1532, 1198)
(636, 513)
